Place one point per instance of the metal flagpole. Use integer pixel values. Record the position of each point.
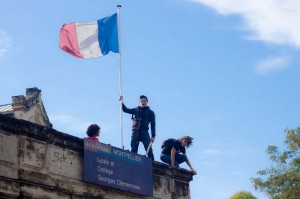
(120, 74)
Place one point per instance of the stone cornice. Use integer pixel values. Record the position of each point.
(49, 135)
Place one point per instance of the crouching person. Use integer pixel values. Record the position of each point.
(173, 152)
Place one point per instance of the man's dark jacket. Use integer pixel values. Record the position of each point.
(146, 116)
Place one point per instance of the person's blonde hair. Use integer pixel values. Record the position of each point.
(188, 139)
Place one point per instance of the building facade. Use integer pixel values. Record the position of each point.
(29, 107)
(40, 162)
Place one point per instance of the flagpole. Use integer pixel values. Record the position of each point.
(120, 74)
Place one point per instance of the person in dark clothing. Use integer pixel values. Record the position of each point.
(142, 116)
(171, 149)
(93, 132)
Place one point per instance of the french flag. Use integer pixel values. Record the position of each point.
(93, 39)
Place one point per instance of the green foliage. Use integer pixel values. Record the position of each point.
(243, 195)
(282, 181)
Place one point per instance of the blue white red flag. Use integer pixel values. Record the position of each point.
(93, 39)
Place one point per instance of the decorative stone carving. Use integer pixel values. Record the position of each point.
(33, 153)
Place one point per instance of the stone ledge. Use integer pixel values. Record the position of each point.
(32, 130)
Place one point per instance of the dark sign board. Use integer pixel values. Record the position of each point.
(113, 167)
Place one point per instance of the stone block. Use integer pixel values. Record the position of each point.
(33, 153)
(8, 155)
(64, 162)
(9, 188)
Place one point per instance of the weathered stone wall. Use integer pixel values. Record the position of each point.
(40, 162)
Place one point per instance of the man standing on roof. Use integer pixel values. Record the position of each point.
(142, 116)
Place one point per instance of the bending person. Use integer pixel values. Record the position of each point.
(171, 149)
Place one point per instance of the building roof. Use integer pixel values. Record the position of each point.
(6, 109)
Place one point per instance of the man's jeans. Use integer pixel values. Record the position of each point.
(179, 158)
(141, 136)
